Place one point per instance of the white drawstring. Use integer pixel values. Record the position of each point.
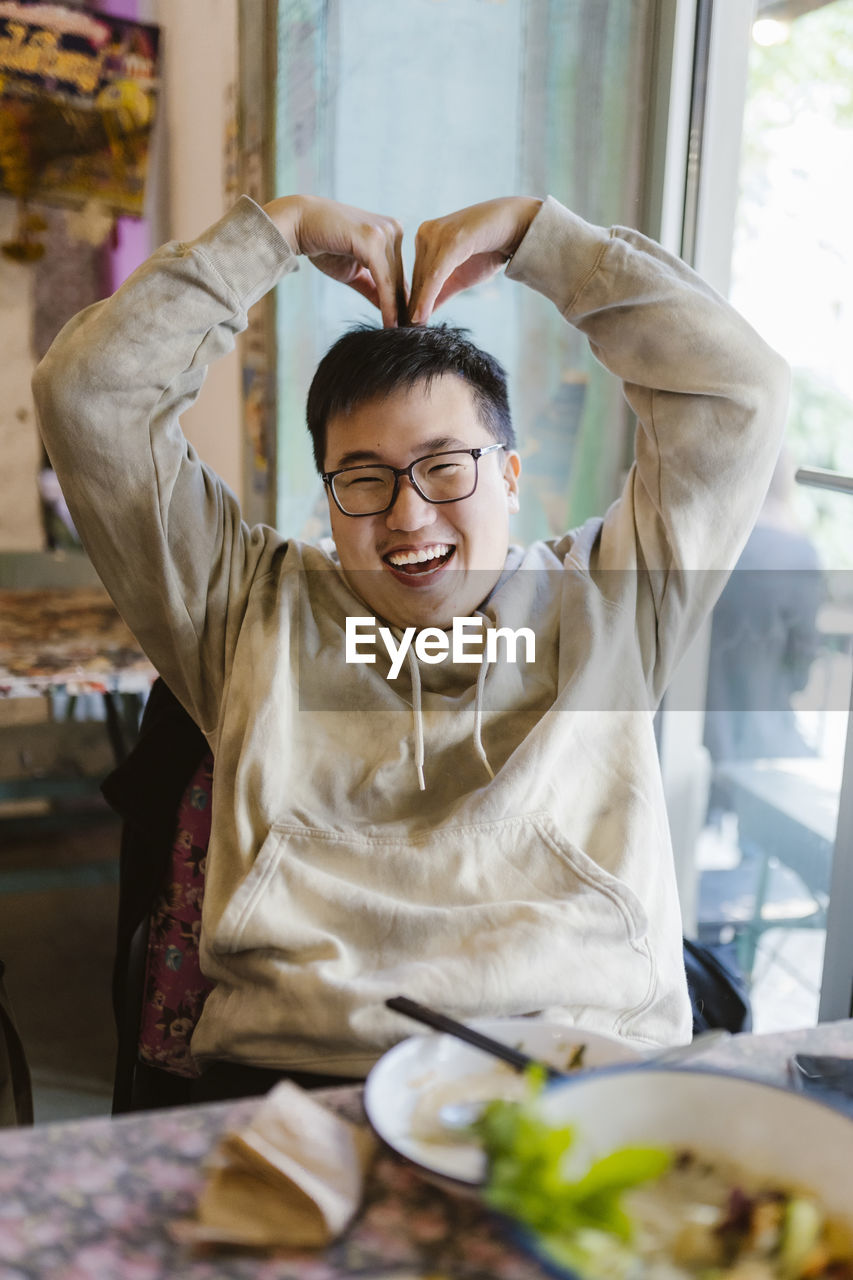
(417, 714)
(478, 708)
(418, 718)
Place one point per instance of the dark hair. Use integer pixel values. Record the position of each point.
(368, 362)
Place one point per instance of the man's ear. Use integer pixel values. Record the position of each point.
(512, 470)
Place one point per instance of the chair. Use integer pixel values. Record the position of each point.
(163, 792)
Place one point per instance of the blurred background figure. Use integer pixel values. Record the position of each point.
(764, 638)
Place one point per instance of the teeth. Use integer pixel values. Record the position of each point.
(400, 558)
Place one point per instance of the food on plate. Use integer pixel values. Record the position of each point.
(646, 1213)
(499, 1083)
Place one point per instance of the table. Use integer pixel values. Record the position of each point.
(68, 639)
(94, 1199)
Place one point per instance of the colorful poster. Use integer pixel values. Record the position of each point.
(78, 94)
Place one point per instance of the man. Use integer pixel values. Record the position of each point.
(481, 828)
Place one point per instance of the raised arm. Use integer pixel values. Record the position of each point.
(164, 533)
(708, 393)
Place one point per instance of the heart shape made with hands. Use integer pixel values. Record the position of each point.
(364, 250)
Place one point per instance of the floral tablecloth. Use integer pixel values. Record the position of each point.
(71, 639)
(98, 1199)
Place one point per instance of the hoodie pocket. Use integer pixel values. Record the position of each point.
(504, 916)
(582, 869)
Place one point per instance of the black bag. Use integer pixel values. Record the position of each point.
(719, 995)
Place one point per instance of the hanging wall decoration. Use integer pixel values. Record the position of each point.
(78, 94)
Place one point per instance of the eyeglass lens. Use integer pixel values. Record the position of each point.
(447, 477)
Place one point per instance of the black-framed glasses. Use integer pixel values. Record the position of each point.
(371, 489)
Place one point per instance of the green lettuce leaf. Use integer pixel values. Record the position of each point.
(527, 1179)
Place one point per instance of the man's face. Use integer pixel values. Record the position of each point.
(466, 540)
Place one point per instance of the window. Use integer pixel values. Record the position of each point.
(418, 108)
(780, 650)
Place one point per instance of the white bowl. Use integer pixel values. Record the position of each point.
(768, 1131)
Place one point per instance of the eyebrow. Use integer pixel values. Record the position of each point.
(436, 444)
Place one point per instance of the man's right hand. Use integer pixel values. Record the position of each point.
(362, 250)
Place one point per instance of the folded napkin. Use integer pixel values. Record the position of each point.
(293, 1177)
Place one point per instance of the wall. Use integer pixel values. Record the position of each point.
(20, 523)
(188, 191)
(200, 67)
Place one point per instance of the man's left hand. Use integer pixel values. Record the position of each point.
(465, 248)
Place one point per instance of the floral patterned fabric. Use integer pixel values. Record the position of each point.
(175, 988)
(100, 1199)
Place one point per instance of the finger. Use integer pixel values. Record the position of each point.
(368, 257)
(387, 298)
(418, 314)
(379, 255)
(364, 284)
(478, 269)
(423, 250)
(398, 276)
(348, 273)
(432, 268)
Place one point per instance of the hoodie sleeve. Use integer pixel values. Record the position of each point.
(162, 530)
(710, 398)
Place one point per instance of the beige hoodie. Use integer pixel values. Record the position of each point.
(535, 869)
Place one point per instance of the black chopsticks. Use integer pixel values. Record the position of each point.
(440, 1022)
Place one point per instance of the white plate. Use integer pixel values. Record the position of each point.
(425, 1061)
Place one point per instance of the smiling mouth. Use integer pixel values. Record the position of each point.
(414, 564)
